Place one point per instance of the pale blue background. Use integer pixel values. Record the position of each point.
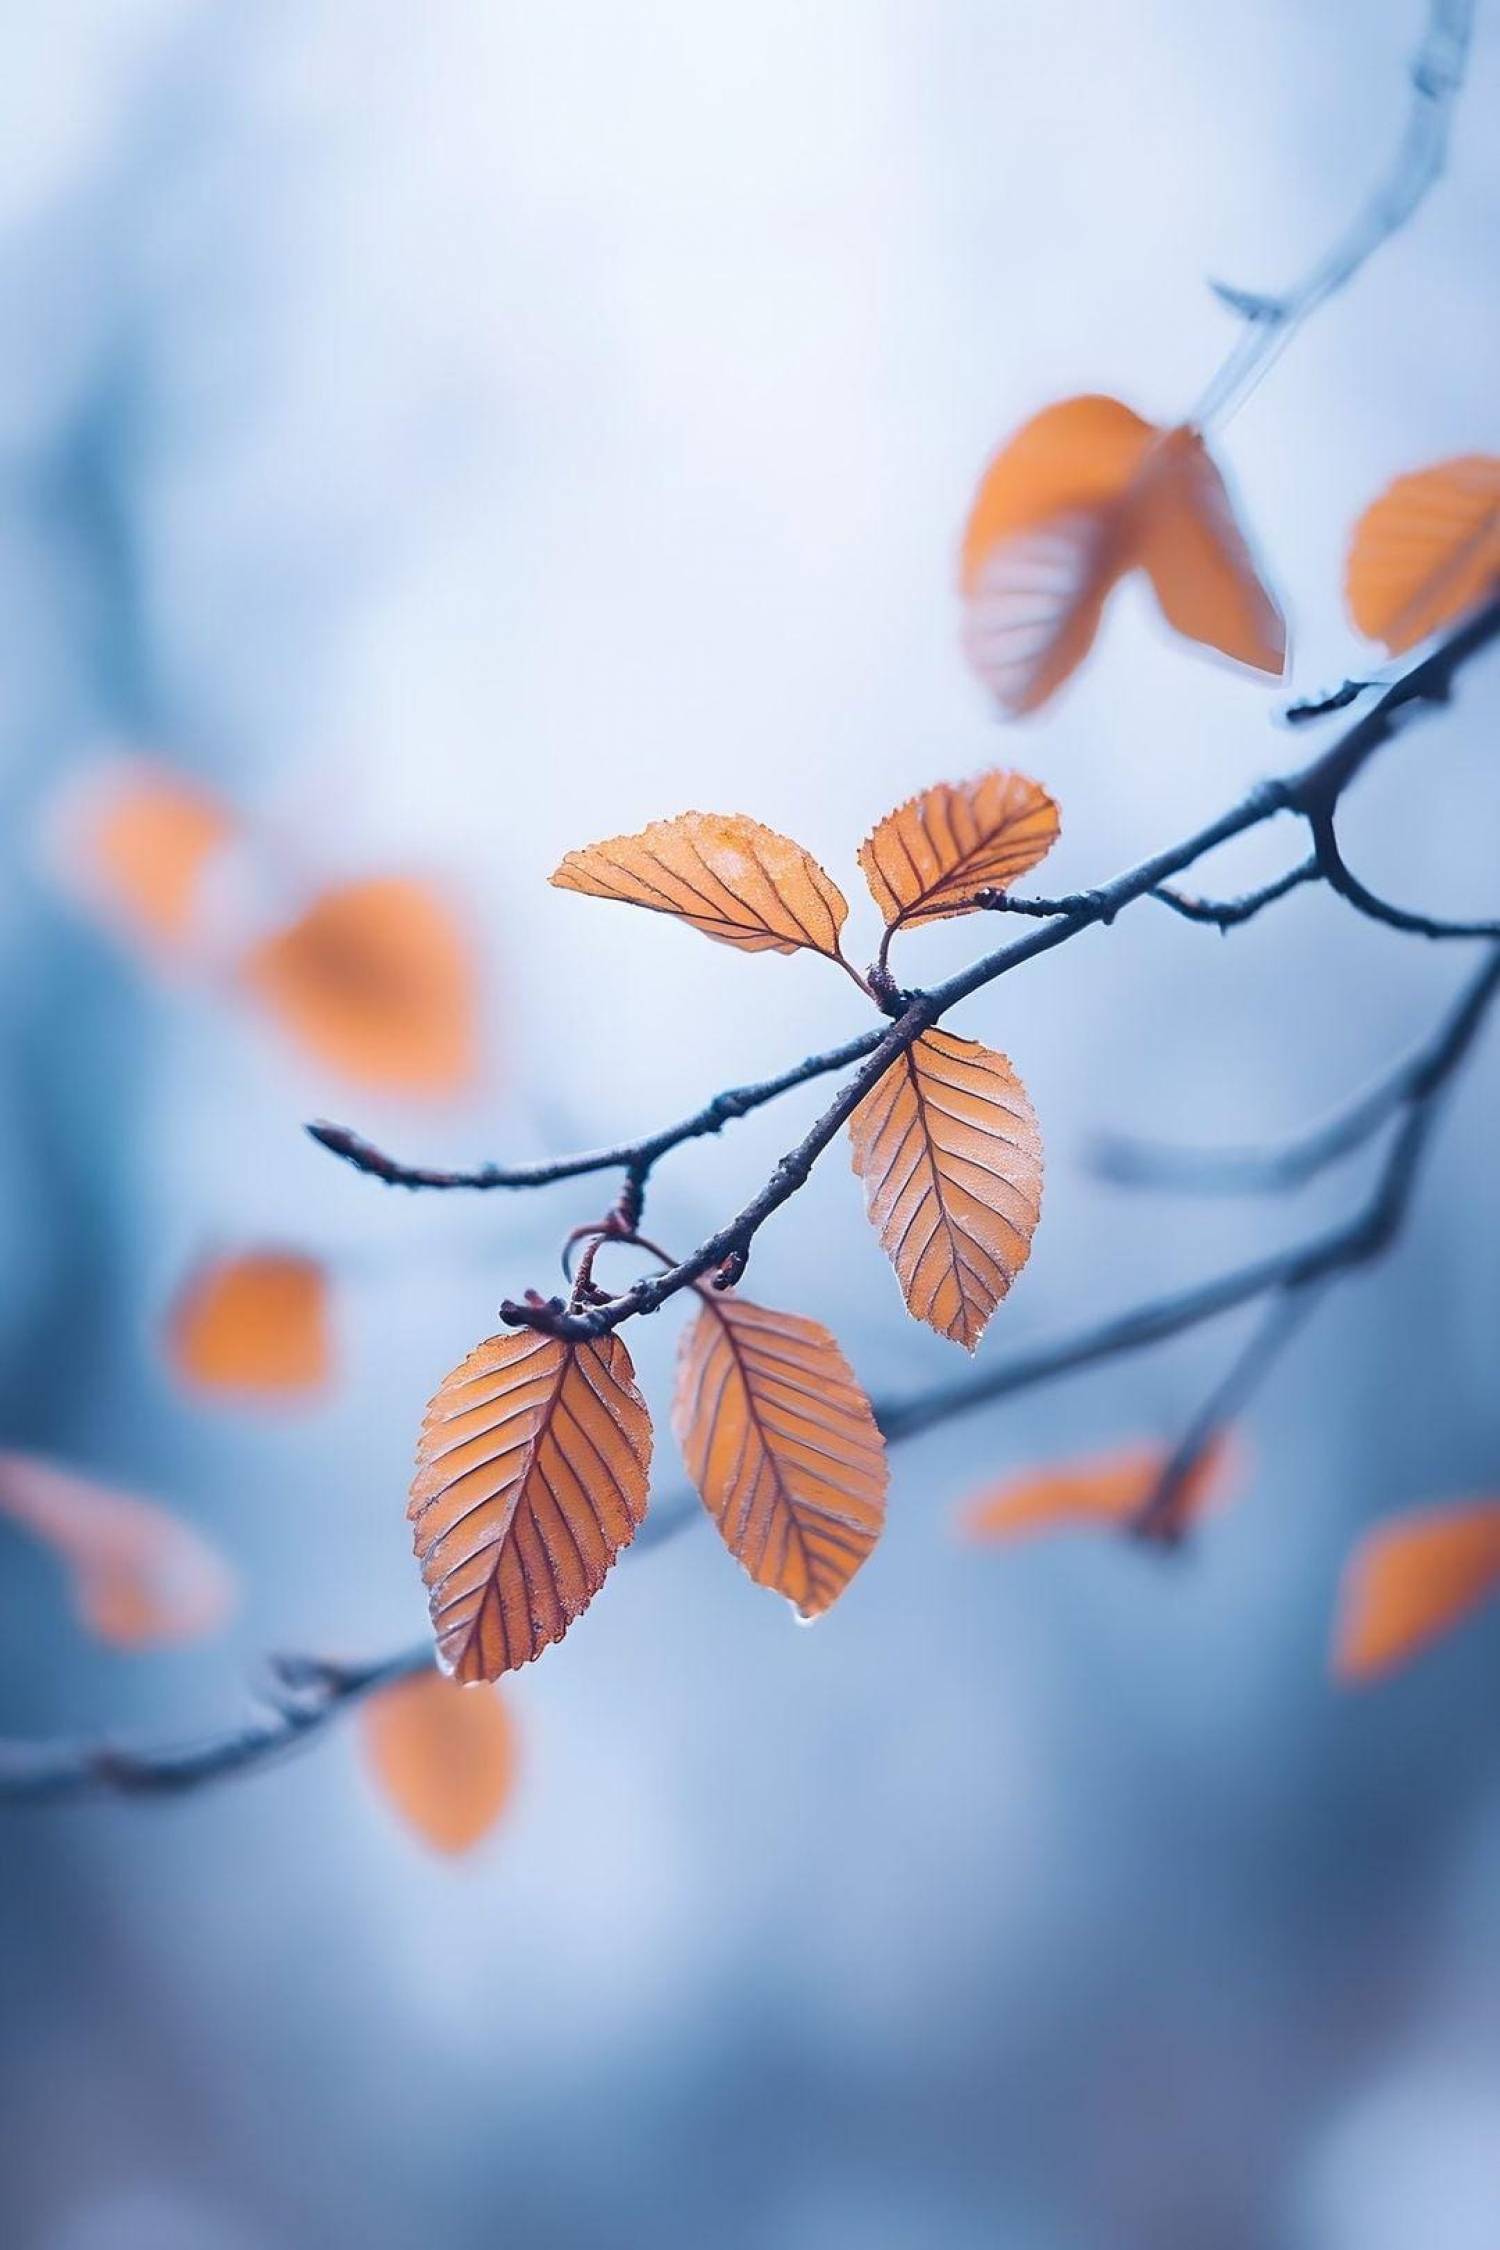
(465, 430)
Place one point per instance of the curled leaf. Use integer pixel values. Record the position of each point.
(782, 1445)
(375, 980)
(531, 1476)
(135, 843)
(443, 1755)
(1102, 1488)
(948, 1148)
(141, 1578)
(927, 859)
(1084, 492)
(1410, 1581)
(255, 1324)
(1425, 551)
(724, 875)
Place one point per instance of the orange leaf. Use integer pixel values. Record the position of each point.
(782, 1445)
(722, 873)
(928, 858)
(256, 1323)
(1425, 551)
(376, 980)
(141, 1577)
(948, 1148)
(1410, 1581)
(443, 1755)
(531, 1476)
(136, 840)
(1103, 1488)
(1083, 493)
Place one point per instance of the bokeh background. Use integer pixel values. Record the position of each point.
(463, 432)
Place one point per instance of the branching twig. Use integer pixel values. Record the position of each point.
(1311, 792)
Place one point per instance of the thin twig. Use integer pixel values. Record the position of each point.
(635, 1157)
(1339, 877)
(1229, 913)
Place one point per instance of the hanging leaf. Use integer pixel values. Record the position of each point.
(782, 1445)
(725, 875)
(531, 1476)
(376, 980)
(141, 1578)
(1425, 551)
(1410, 1581)
(135, 843)
(1083, 493)
(444, 1757)
(1103, 1488)
(927, 859)
(255, 1324)
(948, 1148)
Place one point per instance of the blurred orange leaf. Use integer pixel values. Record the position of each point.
(1102, 1488)
(781, 1443)
(928, 858)
(376, 980)
(531, 1476)
(947, 1145)
(723, 874)
(443, 1755)
(136, 839)
(1410, 1581)
(141, 1577)
(1425, 551)
(1083, 493)
(255, 1323)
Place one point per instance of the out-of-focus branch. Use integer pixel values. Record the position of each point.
(1161, 1521)
(1437, 76)
(301, 1695)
